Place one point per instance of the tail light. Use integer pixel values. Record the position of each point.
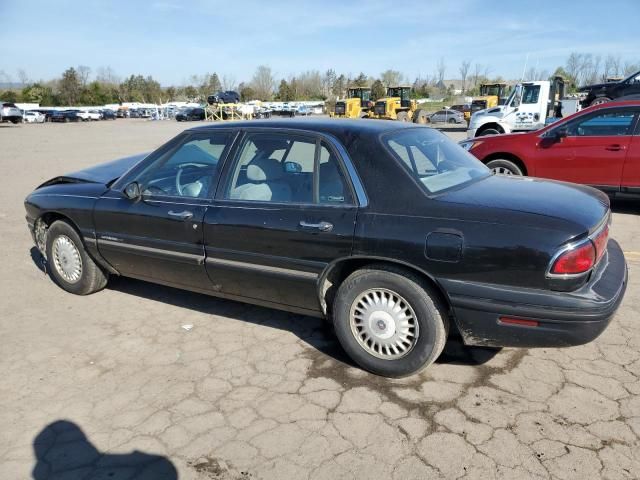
(583, 257)
(575, 261)
(600, 241)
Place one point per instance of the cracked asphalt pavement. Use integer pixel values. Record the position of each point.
(112, 386)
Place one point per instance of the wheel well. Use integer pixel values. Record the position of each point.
(331, 281)
(506, 156)
(490, 125)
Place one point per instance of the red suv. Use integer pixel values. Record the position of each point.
(598, 146)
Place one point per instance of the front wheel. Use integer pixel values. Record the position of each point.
(389, 321)
(69, 264)
(402, 117)
(489, 131)
(501, 166)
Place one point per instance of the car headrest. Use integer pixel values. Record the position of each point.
(264, 170)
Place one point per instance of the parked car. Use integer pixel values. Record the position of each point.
(190, 114)
(133, 113)
(66, 116)
(32, 116)
(122, 113)
(9, 112)
(88, 115)
(388, 228)
(447, 116)
(606, 92)
(303, 110)
(224, 97)
(108, 114)
(598, 146)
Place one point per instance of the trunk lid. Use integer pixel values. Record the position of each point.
(583, 206)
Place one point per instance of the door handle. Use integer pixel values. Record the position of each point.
(614, 148)
(184, 215)
(322, 226)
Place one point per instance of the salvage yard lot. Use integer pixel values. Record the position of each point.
(248, 392)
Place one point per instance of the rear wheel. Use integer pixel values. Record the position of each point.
(389, 321)
(69, 264)
(452, 120)
(504, 167)
(402, 116)
(599, 100)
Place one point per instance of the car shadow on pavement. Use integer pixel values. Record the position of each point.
(316, 332)
(625, 205)
(62, 450)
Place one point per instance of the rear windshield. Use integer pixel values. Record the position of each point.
(432, 159)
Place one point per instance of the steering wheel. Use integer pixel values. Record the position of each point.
(179, 174)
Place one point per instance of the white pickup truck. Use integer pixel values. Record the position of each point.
(527, 108)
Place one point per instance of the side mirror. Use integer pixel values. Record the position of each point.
(132, 191)
(561, 133)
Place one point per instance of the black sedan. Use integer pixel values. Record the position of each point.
(389, 229)
(190, 114)
(65, 116)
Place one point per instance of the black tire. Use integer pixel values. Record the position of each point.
(452, 120)
(91, 278)
(420, 117)
(599, 100)
(402, 116)
(430, 314)
(489, 131)
(505, 167)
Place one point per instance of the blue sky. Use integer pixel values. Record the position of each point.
(172, 39)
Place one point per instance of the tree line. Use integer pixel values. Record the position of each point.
(77, 86)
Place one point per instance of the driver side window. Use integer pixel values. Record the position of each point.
(188, 170)
(605, 124)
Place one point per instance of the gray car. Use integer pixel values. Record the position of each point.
(447, 116)
(10, 113)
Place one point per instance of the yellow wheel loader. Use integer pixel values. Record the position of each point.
(356, 105)
(490, 96)
(398, 105)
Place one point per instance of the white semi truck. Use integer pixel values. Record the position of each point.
(529, 107)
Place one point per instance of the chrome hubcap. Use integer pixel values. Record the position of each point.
(383, 323)
(502, 171)
(66, 259)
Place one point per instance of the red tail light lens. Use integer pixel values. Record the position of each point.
(600, 242)
(575, 261)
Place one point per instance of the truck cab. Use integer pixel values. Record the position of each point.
(530, 106)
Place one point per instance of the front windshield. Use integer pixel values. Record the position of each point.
(433, 160)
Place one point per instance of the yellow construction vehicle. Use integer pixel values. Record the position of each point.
(398, 105)
(490, 96)
(356, 105)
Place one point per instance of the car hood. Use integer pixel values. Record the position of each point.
(583, 207)
(103, 173)
(493, 111)
(595, 86)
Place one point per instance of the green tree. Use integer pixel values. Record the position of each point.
(70, 87)
(378, 90)
(11, 96)
(246, 92)
(284, 92)
(360, 81)
(37, 93)
(339, 86)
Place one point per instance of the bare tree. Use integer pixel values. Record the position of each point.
(464, 72)
(107, 75)
(263, 83)
(441, 69)
(229, 82)
(630, 68)
(83, 74)
(391, 78)
(23, 78)
(477, 71)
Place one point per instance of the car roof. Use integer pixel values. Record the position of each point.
(342, 129)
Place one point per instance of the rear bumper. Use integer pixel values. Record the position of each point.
(564, 318)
